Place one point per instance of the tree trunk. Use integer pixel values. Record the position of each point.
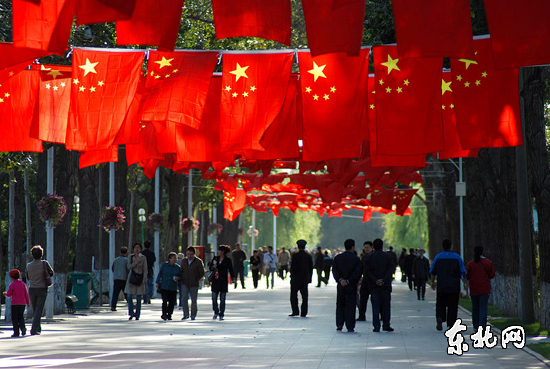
(67, 180)
(435, 204)
(28, 220)
(40, 229)
(131, 213)
(20, 255)
(539, 175)
(88, 219)
(121, 196)
(175, 184)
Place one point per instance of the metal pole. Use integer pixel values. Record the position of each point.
(526, 300)
(461, 210)
(215, 220)
(49, 235)
(190, 206)
(274, 233)
(157, 233)
(253, 243)
(111, 233)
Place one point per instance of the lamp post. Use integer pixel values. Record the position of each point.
(141, 219)
(76, 210)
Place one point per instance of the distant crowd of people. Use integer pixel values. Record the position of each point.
(358, 277)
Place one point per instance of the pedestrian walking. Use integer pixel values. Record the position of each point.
(39, 273)
(255, 264)
(270, 261)
(346, 270)
(136, 283)
(364, 291)
(167, 282)
(151, 260)
(301, 271)
(408, 268)
(379, 277)
(393, 260)
(192, 271)
(222, 268)
(238, 256)
(479, 273)
(19, 295)
(120, 275)
(327, 265)
(401, 263)
(421, 273)
(449, 269)
(319, 265)
(181, 256)
(284, 259)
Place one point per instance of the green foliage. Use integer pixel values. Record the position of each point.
(408, 231)
(379, 27)
(530, 329)
(541, 348)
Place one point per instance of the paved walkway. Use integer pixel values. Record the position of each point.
(257, 333)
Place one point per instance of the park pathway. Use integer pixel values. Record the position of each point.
(257, 333)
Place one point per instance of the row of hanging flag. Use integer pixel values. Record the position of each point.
(258, 110)
(429, 28)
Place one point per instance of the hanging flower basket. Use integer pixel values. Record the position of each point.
(189, 224)
(214, 228)
(251, 231)
(52, 208)
(113, 218)
(156, 221)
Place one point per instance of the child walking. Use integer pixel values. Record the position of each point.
(19, 298)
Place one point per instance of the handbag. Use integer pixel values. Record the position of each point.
(47, 277)
(135, 278)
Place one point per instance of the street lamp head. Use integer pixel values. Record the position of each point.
(141, 211)
(142, 218)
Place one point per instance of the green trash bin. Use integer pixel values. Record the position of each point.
(81, 289)
(246, 264)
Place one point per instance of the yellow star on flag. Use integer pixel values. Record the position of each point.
(76, 81)
(406, 82)
(371, 106)
(100, 83)
(175, 71)
(452, 106)
(315, 97)
(443, 107)
(164, 62)
(326, 97)
(253, 88)
(399, 90)
(48, 86)
(63, 84)
(391, 64)
(240, 72)
(7, 94)
(82, 88)
(484, 74)
(1, 100)
(54, 73)
(467, 62)
(317, 71)
(478, 82)
(234, 94)
(245, 94)
(459, 78)
(88, 67)
(227, 88)
(333, 89)
(445, 86)
(466, 84)
(388, 89)
(381, 82)
(55, 88)
(92, 89)
(308, 89)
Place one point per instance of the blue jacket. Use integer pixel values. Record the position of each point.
(449, 269)
(166, 276)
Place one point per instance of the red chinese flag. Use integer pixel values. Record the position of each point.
(254, 88)
(408, 103)
(433, 28)
(89, 158)
(44, 26)
(18, 96)
(403, 198)
(103, 88)
(233, 204)
(253, 18)
(50, 124)
(281, 138)
(369, 147)
(334, 96)
(98, 11)
(177, 86)
(153, 23)
(382, 197)
(520, 32)
(203, 144)
(334, 26)
(12, 55)
(147, 147)
(486, 101)
(453, 148)
(129, 132)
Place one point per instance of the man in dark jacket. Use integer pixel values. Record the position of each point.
(378, 270)
(421, 273)
(364, 290)
(319, 265)
(327, 265)
(151, 259)
(238, 256)
(346, 270)
(192, 271)
(408, 268)
(301, 270)
(449, 269)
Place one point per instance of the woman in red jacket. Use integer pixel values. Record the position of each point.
(479, 273)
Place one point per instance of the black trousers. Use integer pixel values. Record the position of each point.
(346, 301)
(380, 301)
(411, 280)
(18, 319)
(446, 307)
(239, 273)
(296, 287)
(420, 288)
(38, 300)
(255, 277)
(168, 301)
(327, 274)
(118, 285)
(319, 276)
(363, 300)
(283, 271)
